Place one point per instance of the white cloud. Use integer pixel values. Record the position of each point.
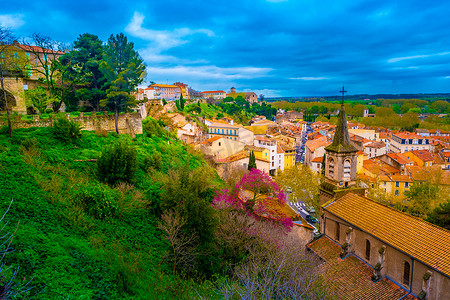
(397, 59)
(447, 77)
(208, 72)
(163, 39)
(12, 21)
(309, 78)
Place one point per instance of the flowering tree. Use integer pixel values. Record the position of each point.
(258, 195)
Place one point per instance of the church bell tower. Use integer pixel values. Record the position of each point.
(340, 161)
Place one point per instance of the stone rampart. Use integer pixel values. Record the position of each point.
(129, 123)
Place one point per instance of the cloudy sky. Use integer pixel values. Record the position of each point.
(273, 47)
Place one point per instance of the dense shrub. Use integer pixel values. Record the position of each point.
(117, 163)
(153, 161)
(66, 130)
(152, 127)
(97, 200)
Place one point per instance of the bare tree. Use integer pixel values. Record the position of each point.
(182, 253)
(46, 53)
(6, 38)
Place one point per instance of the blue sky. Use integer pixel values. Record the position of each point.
(273, 47)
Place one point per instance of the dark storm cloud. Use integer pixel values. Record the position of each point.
(283, 48)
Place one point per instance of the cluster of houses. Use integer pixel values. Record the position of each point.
(390, 160)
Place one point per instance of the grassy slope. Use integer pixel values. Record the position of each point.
(70, 254)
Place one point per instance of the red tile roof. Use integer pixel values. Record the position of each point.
(350, 278)
(424, 241)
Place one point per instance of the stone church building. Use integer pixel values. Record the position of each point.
(406, 250)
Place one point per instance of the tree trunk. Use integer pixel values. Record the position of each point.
(117, 121)
(6, 104)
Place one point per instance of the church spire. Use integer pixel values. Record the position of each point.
(341, 140)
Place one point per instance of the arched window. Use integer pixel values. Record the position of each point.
(367, 250)
(406, 273)
(338, 232)
(347, 168)
(331, 167)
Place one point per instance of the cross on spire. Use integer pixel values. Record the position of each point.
(343, 92)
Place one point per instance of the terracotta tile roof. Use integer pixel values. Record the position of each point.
(213, 139)
(424, 241)
(312, 145)
(318, 159)
(400, 158)
(287, 148)
(241, 155)
(264, 139)
(164, 85)
(350, 278)
(279, 149)
(378, 167)
(409, 135)
(212, 92)
(37, 49)
(254, 148)
(402, 178)
(423, 155)
(222, 124)
(377, 145)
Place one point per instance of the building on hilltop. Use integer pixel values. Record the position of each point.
(218, 95)
(24, 67)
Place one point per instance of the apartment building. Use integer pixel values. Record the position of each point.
(406, 141)
(218, 95)
(166, 91)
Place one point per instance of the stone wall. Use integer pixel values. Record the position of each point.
(129, 123)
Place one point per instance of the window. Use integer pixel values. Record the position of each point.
(397, 184)
(396, 192)
(347, 168)
(406, 185)
(367, 250)
(219, 144)
(406, 273)
(331, 167)
(338, 232)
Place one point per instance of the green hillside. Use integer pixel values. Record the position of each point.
(70, 251)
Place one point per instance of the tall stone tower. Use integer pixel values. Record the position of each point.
(340, 162)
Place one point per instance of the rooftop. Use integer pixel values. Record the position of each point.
(350, 278)
(415, 237)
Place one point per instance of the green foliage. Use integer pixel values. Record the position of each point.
(118, 163)
(97, 200)
(153, 161)
(66, 130)
(152, 127)
(440, 216)
(252, 161)
(164, 102)
(39, 99)
(68, 251)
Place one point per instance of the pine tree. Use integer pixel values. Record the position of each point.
(252, 161)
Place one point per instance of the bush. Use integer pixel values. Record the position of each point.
(118, 163)
(97, 200)
(49, 111)
(66, 130)
(4, 129)
(153, 161)
(29, 144)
